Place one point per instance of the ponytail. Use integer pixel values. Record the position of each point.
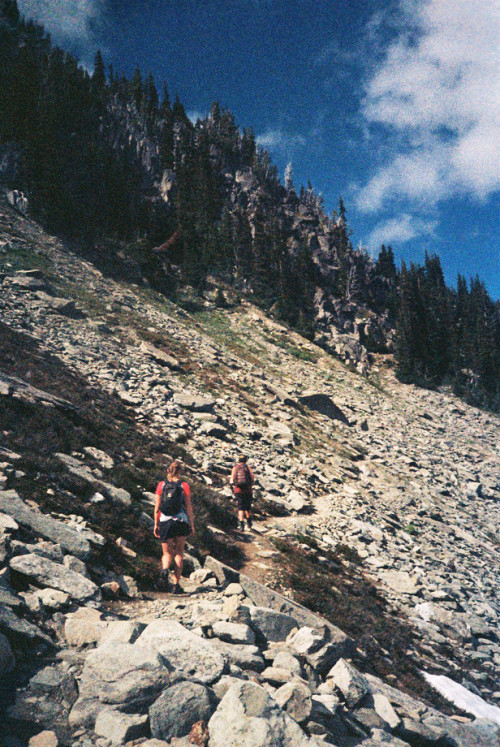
(174, 471)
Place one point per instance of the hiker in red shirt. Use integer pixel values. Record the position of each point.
(242, 481)
(174, 522)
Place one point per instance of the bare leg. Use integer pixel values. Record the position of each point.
(241, 516)
(168, 554)
(178, 549)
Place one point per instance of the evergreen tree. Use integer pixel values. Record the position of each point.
(242, 247)
(135, 88)
(166, 137)
(99, 74)
(343, 246)
(248, 147)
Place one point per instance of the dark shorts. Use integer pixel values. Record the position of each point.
(173, 528)
(244, 500)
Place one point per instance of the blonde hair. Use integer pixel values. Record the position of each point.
(174, 471)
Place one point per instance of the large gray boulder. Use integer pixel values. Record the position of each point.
(351, 683)
(118, 674)
(185, 654)
(83, 627)
(323, 404)
(118, 496)
(20, 632)
(271, 625)
(243, 656)
(314, 645)
(44, 572)
(178, 708)
(247, 716)
(233, 632)
(295, 698)
(47, 527)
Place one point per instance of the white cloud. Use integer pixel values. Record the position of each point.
(279, 140)
(436, 95)
(76, 21)
(400, 229)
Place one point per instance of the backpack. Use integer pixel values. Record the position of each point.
(172, 498)
(242, 477)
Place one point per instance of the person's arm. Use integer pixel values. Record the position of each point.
(252, 478)
(231, 479)
(156, 530)
(189, 505)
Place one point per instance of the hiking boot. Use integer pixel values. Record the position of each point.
(177, 589)
(242, 526)
(249, 524)
(163, 583)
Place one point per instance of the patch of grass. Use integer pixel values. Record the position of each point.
(411, 529)
(349, 553)
(21, 255)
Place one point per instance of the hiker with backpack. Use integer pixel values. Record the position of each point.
(242, 481)
(174, 522)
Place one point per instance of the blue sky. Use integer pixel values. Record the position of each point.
(393, 104)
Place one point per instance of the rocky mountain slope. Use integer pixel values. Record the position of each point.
(378, 509)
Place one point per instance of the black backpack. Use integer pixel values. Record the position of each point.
(172, 498)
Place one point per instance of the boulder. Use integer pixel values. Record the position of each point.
(84, 627)
(18, 631)
(53, 599)
(233, 632)
(295, 699)
(276, 676)
(297, 501)
(271, 625)
(7, 524)
(104, 460)
(44, 572)
(47, 527)
(44, 739)
(306, 641)
(186, 655)
(215, 430)
(384, 709)
(121, 631)
(178, 708)
(400, 581)
(243, 656)
(247, 716)
(285, 660)
(118, 674)
(351, 683)
(120, 727)
(323, 404)
(194, 402)
(223, 573)
(160, 356)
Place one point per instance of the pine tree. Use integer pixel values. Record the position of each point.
(136, 88)
(343, 246)
(99, 74)
(248, 147)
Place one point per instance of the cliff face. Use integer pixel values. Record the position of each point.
(352, 321)
(377, 510)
